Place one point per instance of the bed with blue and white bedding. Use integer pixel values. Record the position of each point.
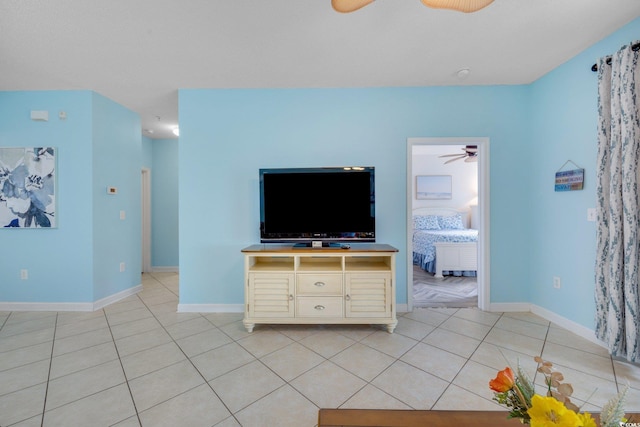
(431, 226)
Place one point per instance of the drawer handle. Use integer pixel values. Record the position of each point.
(290, 297)
(347, 297)
(319, 307)
(319, 284)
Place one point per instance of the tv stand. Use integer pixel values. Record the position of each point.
(328, 285)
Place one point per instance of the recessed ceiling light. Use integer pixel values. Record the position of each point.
(463, 73)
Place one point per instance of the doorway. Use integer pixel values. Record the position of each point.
(479, 214)
(146, 220)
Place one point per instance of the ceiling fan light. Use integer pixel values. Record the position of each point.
(346, 6)
(466, 6)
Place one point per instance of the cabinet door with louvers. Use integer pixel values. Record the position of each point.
(271, 295)
(368, 295)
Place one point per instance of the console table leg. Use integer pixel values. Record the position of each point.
(391, 327)
(249, 326)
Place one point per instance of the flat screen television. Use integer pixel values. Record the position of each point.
(327, 205)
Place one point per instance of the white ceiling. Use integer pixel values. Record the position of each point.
(140, 52)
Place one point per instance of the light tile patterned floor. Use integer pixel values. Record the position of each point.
(139, 363)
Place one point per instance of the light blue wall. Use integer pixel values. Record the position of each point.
(164, 203)
(97, 144)
(564, 127)
(59, 260)
(117, 160)
(227, 135)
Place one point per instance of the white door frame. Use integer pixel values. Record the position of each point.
(146, 220)
(483, 213)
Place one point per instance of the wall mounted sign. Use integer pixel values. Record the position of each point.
(569, 180)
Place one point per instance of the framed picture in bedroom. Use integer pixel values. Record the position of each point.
(28, 187)
(433, 187)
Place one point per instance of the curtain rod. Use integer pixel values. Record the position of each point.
(635, 47)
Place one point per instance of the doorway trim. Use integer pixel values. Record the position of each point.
(146, 219)
(484, 287)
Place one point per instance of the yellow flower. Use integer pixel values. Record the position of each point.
(548, 412)
(586, 420)
(504, 381)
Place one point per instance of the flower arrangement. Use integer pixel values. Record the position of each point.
(517, 393)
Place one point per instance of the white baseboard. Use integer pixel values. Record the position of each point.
(69, 306)
(210, 308)
(101, 303)
(164, 269)
(402, 308)
(569, 325)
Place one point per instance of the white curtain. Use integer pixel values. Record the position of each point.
(618, 223)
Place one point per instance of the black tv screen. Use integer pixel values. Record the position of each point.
(303, 205)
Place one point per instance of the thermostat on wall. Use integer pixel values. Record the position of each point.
(40, 115)
(112, 190)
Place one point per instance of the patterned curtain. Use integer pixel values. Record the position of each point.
(618, 223)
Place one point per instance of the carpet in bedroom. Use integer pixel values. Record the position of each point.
(450, 291)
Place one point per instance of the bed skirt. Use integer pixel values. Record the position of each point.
(430, 266)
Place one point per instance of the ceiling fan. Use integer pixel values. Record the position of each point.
(466, 6)
(470, 154)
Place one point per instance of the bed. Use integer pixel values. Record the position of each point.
(443, 243)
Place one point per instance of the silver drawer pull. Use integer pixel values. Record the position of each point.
(319, 307)
(319, 284)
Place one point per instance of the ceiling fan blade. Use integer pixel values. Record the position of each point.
(451, 155)
(466, 6)
(346, 6)
(454, 159)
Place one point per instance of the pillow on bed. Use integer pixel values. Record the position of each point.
(453, 222)
(425, 222)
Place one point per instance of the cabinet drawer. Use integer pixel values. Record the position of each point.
(319, 307)
(319, 284)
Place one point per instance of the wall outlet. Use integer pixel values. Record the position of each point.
(556, 282)
(121, 267)
(123, 215)
(24, 274)
(591, 214)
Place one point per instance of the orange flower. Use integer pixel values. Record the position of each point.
(504, 381)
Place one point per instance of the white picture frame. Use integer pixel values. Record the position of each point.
(433, 187)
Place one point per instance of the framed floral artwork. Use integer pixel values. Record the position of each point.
(28, 187)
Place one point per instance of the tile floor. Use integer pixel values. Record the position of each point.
(139, 363)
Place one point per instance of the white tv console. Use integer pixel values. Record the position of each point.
(287, 285)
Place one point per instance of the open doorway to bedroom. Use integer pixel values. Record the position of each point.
(447, 222)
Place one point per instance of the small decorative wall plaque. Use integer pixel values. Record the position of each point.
(569, 180)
